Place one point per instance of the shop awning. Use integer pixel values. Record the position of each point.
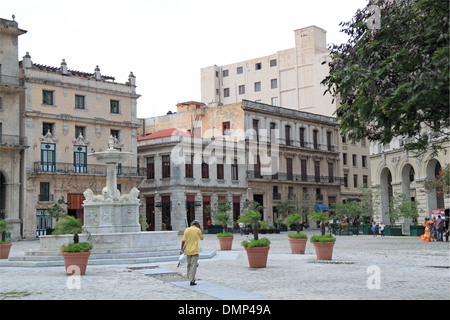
(321, 207)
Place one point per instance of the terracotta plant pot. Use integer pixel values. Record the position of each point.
(4, 250)
(324, 250)
(225, 243)
(76, 262)
(257, 256)
(298, 245)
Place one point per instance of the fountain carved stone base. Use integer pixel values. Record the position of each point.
(116, 243)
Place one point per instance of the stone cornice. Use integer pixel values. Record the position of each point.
(68, 117)
(96, 89)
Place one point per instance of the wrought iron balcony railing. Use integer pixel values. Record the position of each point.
(89, 169)
(281, 176)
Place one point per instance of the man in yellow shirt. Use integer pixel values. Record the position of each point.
(190, 239)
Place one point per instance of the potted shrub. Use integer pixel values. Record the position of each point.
(5, 246)
(297, 240)
(278, 222)
(76, 253)
(257, 249)
(263, 227)
(324, 246)
(143, 222)
(324, 243)
(221, 217)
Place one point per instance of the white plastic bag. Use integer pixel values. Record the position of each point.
(181, 259)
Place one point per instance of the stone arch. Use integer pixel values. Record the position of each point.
(435, 200)
(386, 192)
(408, 176)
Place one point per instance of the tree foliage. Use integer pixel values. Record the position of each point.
(400, 206)
(253, 218)
(441, 184)
(394, 81)
(220, 213)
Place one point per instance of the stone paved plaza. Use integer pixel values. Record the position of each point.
(363, 267)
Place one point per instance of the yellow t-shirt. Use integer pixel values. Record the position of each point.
(190, 237)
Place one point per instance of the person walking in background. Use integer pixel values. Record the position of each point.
(382, 229)
(189, 245)
(374, 229)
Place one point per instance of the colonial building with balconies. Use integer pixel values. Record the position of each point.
(291, 154)
(280, 153)
(187, 175)
(66, 115)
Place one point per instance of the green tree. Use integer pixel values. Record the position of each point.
(220, 213)
(284, 208)
(400, 206)
(4, 228)
(364, 208)
(57, 211)
(294, 218)
(69, 225)
(394, 80)
(253, 218)
(441, 184)
(321, 217)
(349, 209)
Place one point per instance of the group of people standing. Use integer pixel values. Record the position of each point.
(434, 229)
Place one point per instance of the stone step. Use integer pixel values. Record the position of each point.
(46, 256)
(55, 261)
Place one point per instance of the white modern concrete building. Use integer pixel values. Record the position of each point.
(288, 78)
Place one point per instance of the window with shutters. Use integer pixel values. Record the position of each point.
(166, 166)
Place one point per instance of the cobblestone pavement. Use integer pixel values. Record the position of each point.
(363, 267)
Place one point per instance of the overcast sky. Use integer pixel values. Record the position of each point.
(166, 42)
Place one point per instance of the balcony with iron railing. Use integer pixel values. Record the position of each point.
(295, 177)
(45, 197)
(88, 169)
(296, 143)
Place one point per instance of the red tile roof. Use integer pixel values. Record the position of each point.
(166, 133)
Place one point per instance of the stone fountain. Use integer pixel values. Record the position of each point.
(111, 212)
(112, 220)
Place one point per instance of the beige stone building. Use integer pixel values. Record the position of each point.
(395, 170)
(66, 115)
(12, 145)
(291, 79)
(277, 152)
